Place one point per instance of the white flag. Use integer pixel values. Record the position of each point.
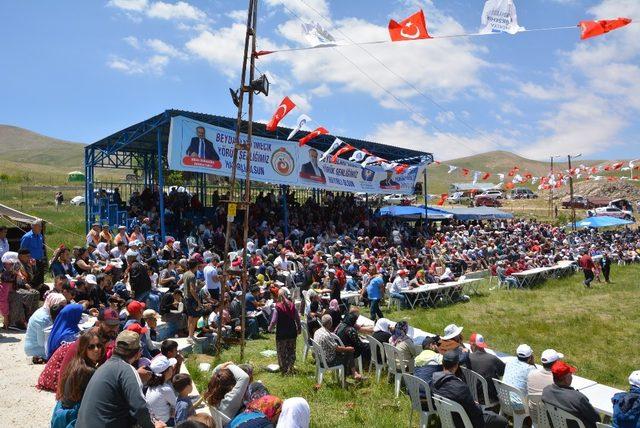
(517, 179)
(499, 15)
(476, 175)
(501, 176)
(451, 169)
(336, 143)
(358, 156)
(302, 120)
(389, 166)
(370, 160)
(534, 180)
(316, 35)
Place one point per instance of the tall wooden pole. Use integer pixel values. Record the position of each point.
(236, 200)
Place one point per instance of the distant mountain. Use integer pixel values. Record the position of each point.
(24, 146)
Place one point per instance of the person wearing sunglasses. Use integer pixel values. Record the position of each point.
(74, 379)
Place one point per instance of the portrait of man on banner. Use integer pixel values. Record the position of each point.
(311, 170)
(389, 182)
(202, 148)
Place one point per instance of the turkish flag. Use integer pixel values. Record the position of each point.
(443, 198)
(528, 176)
(286, 105)
(412, 28)
(345, 149)
(618, 165)
(598, 28)
(401, 168)
(607, 167)
(513, 171)
(311, 135)
(465, 171)
(486, 175)
(509, 186)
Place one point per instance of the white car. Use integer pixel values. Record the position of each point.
(458, 198)
(78, 200)
(399, 199)
(494, 194)
(611, 212)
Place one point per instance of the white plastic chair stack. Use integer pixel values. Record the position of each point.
(559, 417)
(322, 366)
(414, 385)
(505, 391)
(357, 360)
(377, 348)
(537, 411)
(472, 379)
(446, 408)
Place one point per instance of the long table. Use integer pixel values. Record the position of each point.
(531, 277)
(429, 294)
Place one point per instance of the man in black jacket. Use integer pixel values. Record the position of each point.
(447, 385)
(561, 395)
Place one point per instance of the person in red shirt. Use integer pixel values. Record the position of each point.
(586, 263)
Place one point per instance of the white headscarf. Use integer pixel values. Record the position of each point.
(101, 249)
(295, 413)
(53, 299)
(383, 324)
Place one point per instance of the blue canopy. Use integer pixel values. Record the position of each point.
(474, 213)
(602, 221)
(411, 212)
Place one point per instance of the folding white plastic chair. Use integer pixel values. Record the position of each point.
(357, 360)
(414, 386)
(559, 417)
(393, 365)
(537, 411)
(220, 418)
(472, 379)
(305, 338)
(446, 408)
(322, 366)
(377, 349)
(505, 391)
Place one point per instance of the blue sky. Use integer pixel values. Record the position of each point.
(80, 70)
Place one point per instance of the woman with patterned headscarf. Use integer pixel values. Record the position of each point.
(403, 342)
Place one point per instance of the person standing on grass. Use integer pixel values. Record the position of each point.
(606, 266)
(286, 320)
(375, 291)
(193, 306)
(587, 265)
(4, 244)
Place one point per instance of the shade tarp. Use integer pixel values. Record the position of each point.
(411, 212)
(475, 213)
(603, 221)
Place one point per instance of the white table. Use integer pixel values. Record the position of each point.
(600, 397)
(429, 294)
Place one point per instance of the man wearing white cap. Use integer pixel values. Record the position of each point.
(538, 379)
(399, 285)
(626, 405)
(516, 373)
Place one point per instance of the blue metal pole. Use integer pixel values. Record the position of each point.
(160, 182)
(87, 193)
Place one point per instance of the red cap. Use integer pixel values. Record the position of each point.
(197, 257)
(137, 328)
(135, 307)
(478, 340)
(561, 369)
(108, 269)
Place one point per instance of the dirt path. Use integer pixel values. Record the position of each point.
(21, 404)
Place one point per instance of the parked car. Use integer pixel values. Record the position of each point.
(611, 212)
(80, 200)
(486, 201)
(77, 200)
(580, 201)
(399, 199)
(522, 193)
(493, 193)
(458, 198)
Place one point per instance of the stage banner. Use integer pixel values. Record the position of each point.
(199, 147)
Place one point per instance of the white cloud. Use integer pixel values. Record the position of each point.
(304, 8)
(445, 116)
(129, 5)
(175, 11)
(239, 15)
(154, 65)
(164, 48)
(321, 91)
(444, 145)
(132, 41)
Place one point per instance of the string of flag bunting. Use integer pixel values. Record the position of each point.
(498, 17)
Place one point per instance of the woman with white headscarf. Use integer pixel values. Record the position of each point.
(34, 339)
(102, 251)
(295, 413)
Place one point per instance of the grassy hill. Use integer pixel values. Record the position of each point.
(23, 146)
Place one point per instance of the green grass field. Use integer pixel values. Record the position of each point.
(596, 329)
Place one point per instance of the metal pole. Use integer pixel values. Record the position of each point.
(551, 192)
(233, 200)
(425, 195)
(573, 207)
(163, 229)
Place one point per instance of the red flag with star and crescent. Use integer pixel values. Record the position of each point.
(311, 135)
(286, 105)
(412, 28)
(598, 28)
